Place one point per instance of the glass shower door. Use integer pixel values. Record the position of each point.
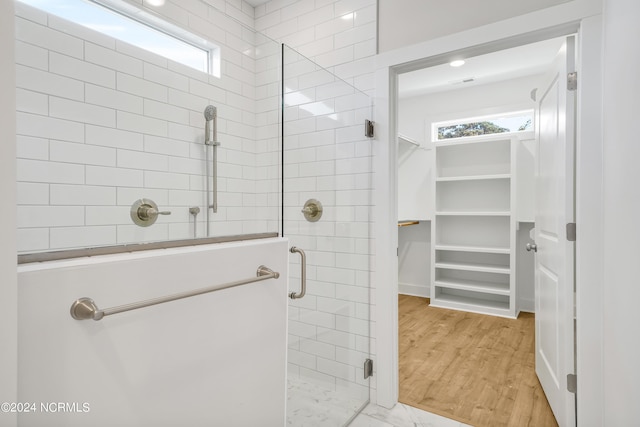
(327, 186)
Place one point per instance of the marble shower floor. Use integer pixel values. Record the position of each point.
(310, 405)
(401, 416)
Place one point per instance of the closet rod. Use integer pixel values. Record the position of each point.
(407, 223)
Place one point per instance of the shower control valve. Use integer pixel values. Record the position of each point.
(144, 212)
(312, 210)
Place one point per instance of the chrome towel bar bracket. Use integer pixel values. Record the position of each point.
(86, 308)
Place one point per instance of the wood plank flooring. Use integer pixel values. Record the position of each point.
(473, 368)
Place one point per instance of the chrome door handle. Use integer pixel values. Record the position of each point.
(303, 273)
(531, 247)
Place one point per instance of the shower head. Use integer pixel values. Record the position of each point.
(210, 112)
(210, 128)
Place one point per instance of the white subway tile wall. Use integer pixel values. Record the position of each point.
(328, 158)
(135, 107)
(102, 124)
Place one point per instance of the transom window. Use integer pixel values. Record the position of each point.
(518, 121)
(127, 23)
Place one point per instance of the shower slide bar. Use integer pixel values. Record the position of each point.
(211, 140)
(85, 308)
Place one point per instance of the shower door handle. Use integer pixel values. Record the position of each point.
(303, 273)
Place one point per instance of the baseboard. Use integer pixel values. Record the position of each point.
(527, 305)
(414, 290)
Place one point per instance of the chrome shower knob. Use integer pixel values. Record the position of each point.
(312, 210)
(144, 212)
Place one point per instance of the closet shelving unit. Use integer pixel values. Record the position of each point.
(474, 225)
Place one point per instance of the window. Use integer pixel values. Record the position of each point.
(127, 23)
(519, 121)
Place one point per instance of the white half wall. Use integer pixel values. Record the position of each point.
(8, 288)
(215, 359)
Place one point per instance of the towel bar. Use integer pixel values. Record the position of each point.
(86, 308)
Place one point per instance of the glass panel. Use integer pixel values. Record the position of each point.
(327, 158)
(102, 124)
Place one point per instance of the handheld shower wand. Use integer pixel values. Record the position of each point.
(211, 139)
(211, 125)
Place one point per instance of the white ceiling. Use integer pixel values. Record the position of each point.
(255, 3)
(502, 65)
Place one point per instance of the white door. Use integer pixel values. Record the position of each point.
(554, 293)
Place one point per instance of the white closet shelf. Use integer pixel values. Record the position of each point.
(474, 305)
(473, 229)
(473, 177)
(482, 249)
(470, 213)
(474, 285)
(465, 266)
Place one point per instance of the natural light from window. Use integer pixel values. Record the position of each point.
(518, 121)
(119, 26)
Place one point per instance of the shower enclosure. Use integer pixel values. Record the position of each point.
(327, 181)
(116, 149)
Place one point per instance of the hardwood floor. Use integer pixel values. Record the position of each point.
(473, 368)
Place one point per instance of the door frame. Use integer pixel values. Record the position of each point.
(552, 22)
(8, 274)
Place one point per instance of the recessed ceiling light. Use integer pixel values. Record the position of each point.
(156, 3)
(457, 63)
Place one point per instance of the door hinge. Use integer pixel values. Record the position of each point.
(368, 128)
(368, 368)
(572, 81)
(571, 231)
(572, 383)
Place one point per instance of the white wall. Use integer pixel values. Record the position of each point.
(215, 359)
(414, 259)
(621, 206)
(102, 123)
(525, 270)
(414, 181)
(8, 288)
(416, 113)
(433, 18)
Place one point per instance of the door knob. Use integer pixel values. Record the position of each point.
(532, 247)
